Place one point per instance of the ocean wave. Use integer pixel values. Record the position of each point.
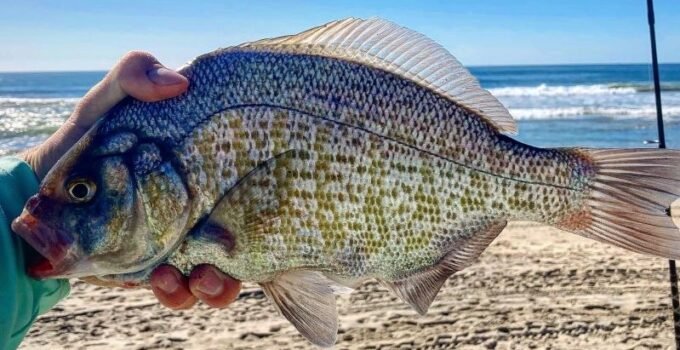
(16, 144)
(24, 117)
(573, 90)
(32, 91)
(646, 87)
(38, 100)
(672, 112)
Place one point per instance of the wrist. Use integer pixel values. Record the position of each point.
(29, 157)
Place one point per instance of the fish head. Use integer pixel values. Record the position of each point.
(91, 216)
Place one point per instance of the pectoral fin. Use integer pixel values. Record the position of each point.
(420, 289)
(306, 299)
(252, 207)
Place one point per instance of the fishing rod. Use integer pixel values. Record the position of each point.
(673, 273)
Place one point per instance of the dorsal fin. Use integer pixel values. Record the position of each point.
(386, 45)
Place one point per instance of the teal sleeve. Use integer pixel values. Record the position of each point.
(22, 298)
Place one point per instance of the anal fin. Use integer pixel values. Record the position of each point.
(307, 300)
(419, 289)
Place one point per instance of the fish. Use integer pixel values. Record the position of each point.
(313, 162)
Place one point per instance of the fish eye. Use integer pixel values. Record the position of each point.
(81, 190)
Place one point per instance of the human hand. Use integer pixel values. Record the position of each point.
(140, 75)
(137, 74)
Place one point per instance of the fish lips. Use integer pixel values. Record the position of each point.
(59, 252)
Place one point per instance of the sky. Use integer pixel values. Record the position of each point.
(72, 35)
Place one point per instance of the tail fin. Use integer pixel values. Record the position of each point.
(628, 200)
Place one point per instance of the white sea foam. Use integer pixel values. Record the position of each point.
(23, 118)
(672, 112)
(616, 100)
(42, 100)
(559, 90)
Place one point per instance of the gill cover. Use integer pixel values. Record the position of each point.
(161, 201)
(134, 219)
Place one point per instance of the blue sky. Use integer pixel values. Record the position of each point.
(91, 35)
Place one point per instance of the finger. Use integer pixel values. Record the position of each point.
(170, 287)
(137, 74)
(213, 287)
(141, 76)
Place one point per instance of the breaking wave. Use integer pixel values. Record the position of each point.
(42, 100)
(672, 112)
(25, 122)
(596, 89)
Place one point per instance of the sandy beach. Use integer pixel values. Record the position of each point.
(534, 288)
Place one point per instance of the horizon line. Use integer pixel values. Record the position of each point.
(467, 66)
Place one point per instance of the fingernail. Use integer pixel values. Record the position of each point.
(210, 284)
(164, 76)
(167, 283)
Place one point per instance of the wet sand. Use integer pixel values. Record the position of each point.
(534, 288)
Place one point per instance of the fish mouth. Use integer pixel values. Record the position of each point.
(59, 253)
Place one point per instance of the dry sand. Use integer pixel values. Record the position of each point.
(534, 288)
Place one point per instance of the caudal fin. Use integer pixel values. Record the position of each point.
(628, 200)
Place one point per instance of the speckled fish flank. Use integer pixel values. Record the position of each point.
(309, 163)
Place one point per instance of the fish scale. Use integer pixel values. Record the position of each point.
(310, 163)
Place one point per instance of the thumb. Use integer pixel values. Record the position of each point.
(137, 74)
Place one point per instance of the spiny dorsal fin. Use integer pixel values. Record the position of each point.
(386, 45)
(420, 289)
(306, 299)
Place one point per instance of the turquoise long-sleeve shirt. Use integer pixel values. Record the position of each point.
(22, 298)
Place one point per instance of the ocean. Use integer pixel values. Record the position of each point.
(556, 106)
